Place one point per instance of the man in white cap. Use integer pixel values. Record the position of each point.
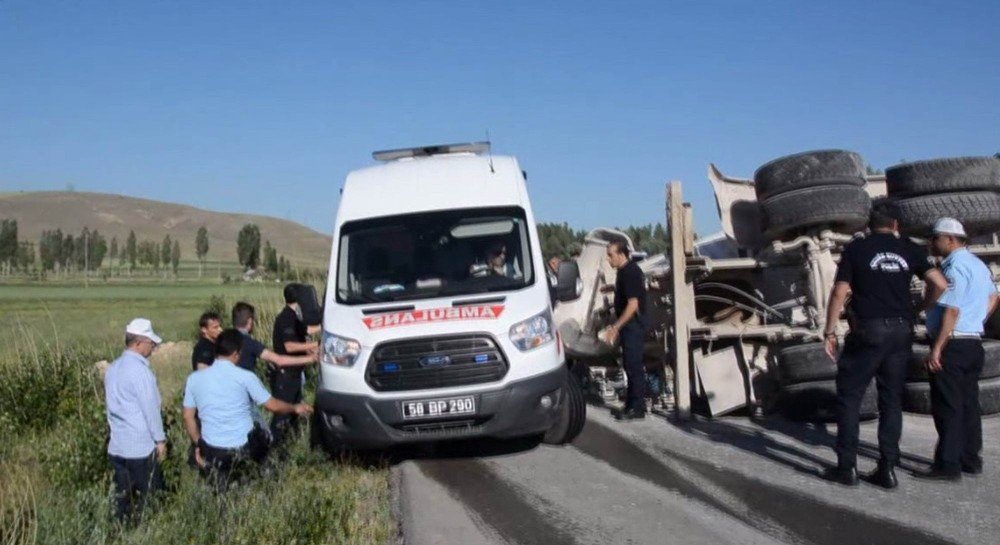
(955, 326)
(138, 443)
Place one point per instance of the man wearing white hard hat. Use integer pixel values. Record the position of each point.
(955, 327)
(138, 443)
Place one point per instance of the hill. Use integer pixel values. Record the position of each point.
(116, 215)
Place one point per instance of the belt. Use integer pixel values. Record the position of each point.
(893, 320)
(957, 335)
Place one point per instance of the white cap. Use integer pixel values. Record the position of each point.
(143, 328)
(949, 226)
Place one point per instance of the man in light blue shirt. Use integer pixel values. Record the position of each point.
(223, 398)
(137, 442)
(956, 360)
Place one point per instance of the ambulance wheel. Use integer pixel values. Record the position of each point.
(572, 415)
(319, 439)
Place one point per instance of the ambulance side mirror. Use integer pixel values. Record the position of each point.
(569, 286)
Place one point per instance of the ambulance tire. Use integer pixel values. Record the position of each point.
(979, 211)
(572, 415)
(918, 370)
(809, 169)
(318, 440)
(943, 176)
(841, 208)
(917, 397)
(817, 401)
(806, 362)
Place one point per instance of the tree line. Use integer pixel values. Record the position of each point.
(89, 251)
(561, 240)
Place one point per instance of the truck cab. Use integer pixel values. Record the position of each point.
(437, 317)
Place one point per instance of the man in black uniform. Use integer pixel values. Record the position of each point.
(875, 271)
(629, 328)
(203, 355)
(290, 339)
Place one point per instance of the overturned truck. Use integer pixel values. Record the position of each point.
(739, 315)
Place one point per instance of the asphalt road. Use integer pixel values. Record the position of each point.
(720, 481)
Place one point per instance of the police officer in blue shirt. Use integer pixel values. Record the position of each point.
(956, 326)
(218, 404)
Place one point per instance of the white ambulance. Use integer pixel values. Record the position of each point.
(437, 320)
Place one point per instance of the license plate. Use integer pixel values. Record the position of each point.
(439, 407)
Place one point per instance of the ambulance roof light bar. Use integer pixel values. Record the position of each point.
(427, 151)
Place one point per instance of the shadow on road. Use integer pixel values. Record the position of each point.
(477, 449)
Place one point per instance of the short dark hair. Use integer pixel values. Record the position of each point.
(242, 313)
(209, 317)
(291, 294)
(620, 246)
(131, 339)
(883, 215)
(229, 342)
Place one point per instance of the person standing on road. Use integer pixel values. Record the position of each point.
(629, 329)
(290, 337)
(875, 271)
(955, 326)
(138, 443)
(210, 325)
(552, 273)
(218, 405)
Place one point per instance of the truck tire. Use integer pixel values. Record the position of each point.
(991, 362)
(943, 176)
(917, 397)
(809, 169)
(979, 211)
(817, 401)
(805, 363)
(842, 208)
(993, 325)
(572, 415)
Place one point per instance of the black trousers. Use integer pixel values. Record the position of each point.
(879, 348)
(955, 405)
(136, 480)
(286, 386)
(631, 338)
(223, 465)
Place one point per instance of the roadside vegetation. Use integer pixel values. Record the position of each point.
(54, 476)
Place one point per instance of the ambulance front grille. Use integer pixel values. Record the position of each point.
(435, 362)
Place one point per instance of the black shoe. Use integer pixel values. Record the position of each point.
(847, 476)
(936, 474)
(884, 476)
(631, 414)
(972, 469)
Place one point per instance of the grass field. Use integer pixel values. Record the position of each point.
(54, 475)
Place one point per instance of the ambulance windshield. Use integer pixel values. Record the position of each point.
(433, 254)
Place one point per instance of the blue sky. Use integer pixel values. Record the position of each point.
(265, 106)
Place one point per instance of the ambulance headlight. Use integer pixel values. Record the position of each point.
(337, 350)
(533, 332)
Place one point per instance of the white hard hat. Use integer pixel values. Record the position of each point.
(949, 226)
(143, 328)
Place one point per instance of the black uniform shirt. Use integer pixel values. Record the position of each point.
(288, 327)
(879, 268)
(250, 350)
(204, 353)
(629, 284)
